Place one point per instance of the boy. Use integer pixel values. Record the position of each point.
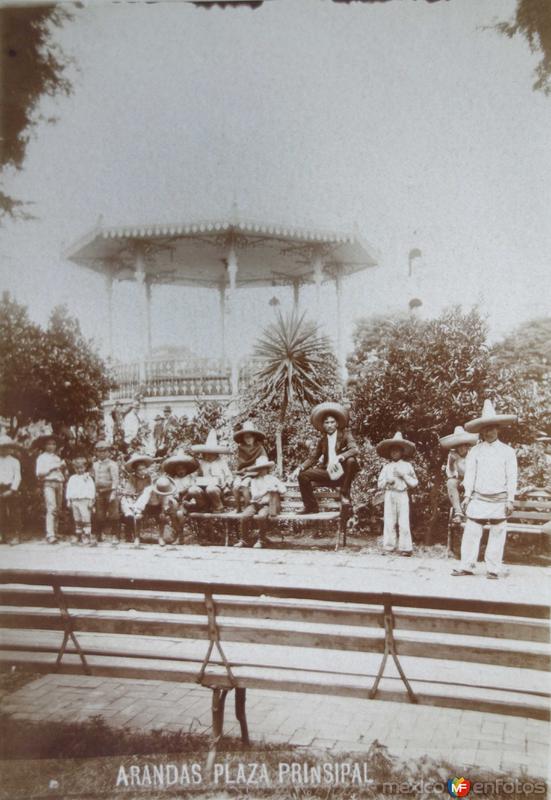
(215, 478)
(396, 478)
(263, 489)
(458, 444)
(250, 443)
(80, 494)
(137, 479)
(51, 470)
(181, 469)
(157, 501)
(105, 472)
(10, 481)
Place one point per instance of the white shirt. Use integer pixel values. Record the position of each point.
(10, 472)
(401, 473)
(262, 486)
(491, 469)
(218, 470)
(131, 425)
(80, 487)
(331, 447)
(46, 462)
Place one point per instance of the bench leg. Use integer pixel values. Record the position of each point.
(240, 696)
(218, 702)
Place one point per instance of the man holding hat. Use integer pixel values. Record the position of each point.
(458, 444)
(10, 481)
(157, 501)
(490, 486)
(333, 462)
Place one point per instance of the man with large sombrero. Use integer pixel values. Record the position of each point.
(458, 444)
(136, 480)
(490, 486)
(182, 469)
(333, 462)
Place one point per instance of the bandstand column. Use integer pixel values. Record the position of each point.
(222, 299)
(340, 336)
(148, 291)
(318, 276)
(109, 291)
(143, 312)
(233, 269)
(296, 296)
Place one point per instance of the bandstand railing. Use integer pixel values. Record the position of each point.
(180, 377)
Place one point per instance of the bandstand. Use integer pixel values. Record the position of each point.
(223, 255)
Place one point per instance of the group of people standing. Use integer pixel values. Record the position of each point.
(481, 480)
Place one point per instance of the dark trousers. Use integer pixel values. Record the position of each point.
(320, 476)
(107, 514)
(9, 515)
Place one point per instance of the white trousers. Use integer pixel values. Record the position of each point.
(470, 545)
(396, 513)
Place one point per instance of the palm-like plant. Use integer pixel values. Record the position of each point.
(294, 355)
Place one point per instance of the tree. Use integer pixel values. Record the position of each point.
(527, 349)
(53, 374)
(32, 65)
(295, 358)
(426, 377)
(533, 21)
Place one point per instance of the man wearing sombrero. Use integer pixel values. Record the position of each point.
(159, 502)
(458, 444)
(10, 481)
(181, 468)
(333, 462)
(395, 479)
(136, 480)
(490, 486)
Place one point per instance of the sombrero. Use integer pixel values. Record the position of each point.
(40, 442)
(138, 458)
(180, 460)
(323, 410)
(7, 441)
(164, 486)
(384, 447)
(210, 446)
(489, 417)
(262, 462)
(248, 427)
(457, 438)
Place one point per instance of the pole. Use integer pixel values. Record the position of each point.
(143, 312)
(296, 295)
(233, 268)
(222, 297)
(338, 287)
(148, 291)
(109, 290)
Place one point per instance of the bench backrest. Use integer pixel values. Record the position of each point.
(126, 625)
(534, 506)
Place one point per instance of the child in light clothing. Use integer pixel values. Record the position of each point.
(458, 444)
(80, 494)
(215, 478)
(263, 488)
(106, 477)
(396, 478)
(51, 471)
(250, 446)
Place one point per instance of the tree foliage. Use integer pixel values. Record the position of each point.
(32, 65)
(527, 349)
(53, 374)
(533, 21)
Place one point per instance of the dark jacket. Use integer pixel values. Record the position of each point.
(345, 446)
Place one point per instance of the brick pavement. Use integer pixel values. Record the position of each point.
(465, 739)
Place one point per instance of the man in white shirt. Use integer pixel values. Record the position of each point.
(490, 486)
(10, 481)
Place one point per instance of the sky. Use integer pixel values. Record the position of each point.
(413, 120)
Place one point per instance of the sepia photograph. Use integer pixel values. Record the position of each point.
(275, 399)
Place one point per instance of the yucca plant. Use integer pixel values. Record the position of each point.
(294, 355)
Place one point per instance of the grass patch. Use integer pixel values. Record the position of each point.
(92, 760)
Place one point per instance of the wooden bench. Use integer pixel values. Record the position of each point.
(332, 517)
(531, 517)
(455, 653)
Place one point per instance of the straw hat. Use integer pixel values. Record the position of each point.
(138, 458)
(489, 417)
(248, 427)
(457, 438)
(210, 446)
(180, 460)
(164, 486)
(262, 462)
(384, 447)
(323, 410)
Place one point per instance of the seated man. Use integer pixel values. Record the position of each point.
(458, 444)
(215, 478)
(333, 462)
(136, 479)
(181, 469)
(157, 501)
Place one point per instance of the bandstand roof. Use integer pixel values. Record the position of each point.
(195, 253)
